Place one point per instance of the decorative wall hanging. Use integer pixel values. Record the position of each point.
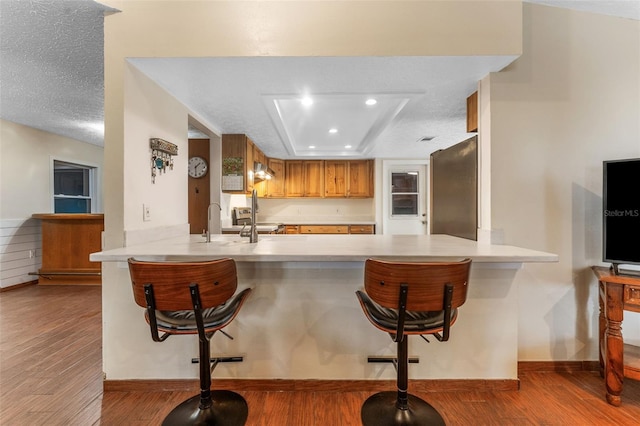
(233, 174)
(161, 156)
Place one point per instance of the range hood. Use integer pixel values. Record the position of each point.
(261, 171)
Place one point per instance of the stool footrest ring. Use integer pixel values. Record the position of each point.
(218, 359)
(392, 359)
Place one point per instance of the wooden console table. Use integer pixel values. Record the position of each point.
(617, 360)
(67, 242)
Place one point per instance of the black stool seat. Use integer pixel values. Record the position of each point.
(416, 322)
(213, 318)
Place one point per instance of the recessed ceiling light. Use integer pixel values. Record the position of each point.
(306, 101)
(312, 147)
(371, 102)
(426, 139)
(333, 130)
(347, 146)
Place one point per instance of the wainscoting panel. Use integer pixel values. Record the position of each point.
(20, 251)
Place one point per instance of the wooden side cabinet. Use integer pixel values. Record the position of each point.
(472, 113)
(237, 164)
(67, 242)
(617, 293)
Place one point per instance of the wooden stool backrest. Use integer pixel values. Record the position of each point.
(426, 283)
(217, 282)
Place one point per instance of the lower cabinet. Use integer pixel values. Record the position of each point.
(324, 229)
(361, 229)
(330, 229)
(292, 229)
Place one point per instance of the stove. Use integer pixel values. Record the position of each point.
(241, 216)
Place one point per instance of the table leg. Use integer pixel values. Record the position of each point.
(602, 325)
(614, 364)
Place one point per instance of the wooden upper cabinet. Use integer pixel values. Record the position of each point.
(304, 178)
(293, 178)
(294, 185)
(352, 178)
(360, 179)
(258, 155)
(472, 113)
(237, 164)
(335, 178)
(275, 185)
(313, 178)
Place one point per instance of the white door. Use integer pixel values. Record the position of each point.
(405, 196)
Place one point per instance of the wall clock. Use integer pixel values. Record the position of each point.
(198, 167)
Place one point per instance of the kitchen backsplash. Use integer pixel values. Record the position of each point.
(289, 210)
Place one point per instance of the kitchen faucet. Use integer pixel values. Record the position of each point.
(253, 238)
(208, 232)
(253, 231)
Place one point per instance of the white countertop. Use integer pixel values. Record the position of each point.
(323, 248)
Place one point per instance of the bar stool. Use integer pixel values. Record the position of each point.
(402, 299)
(193, 298)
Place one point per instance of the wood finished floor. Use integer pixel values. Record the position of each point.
(50, 374)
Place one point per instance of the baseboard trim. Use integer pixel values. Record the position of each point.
(279, 385)
(17, 286)
(422, 385)
(557, 366)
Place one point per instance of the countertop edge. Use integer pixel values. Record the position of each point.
(326, 248)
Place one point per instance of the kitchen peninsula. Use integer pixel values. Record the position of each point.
(303, 320)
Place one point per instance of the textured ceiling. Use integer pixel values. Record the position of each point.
(51, 78)
(51, 69)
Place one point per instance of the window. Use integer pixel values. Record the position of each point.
(72, 188)
(404, 193)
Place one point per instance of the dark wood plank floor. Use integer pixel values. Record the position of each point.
(50, 374)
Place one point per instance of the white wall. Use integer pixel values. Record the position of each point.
(26, 170)
(571, 101)
(150, 112)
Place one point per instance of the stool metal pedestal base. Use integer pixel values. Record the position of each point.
(228, 409)
(380, 410)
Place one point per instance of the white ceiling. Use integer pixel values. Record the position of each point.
(51, 78)
(417, 97)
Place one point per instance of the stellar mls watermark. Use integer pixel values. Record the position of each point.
(622, 213)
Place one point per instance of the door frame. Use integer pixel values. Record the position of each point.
(384, 205)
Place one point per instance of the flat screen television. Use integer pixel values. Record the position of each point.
(621, 212)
